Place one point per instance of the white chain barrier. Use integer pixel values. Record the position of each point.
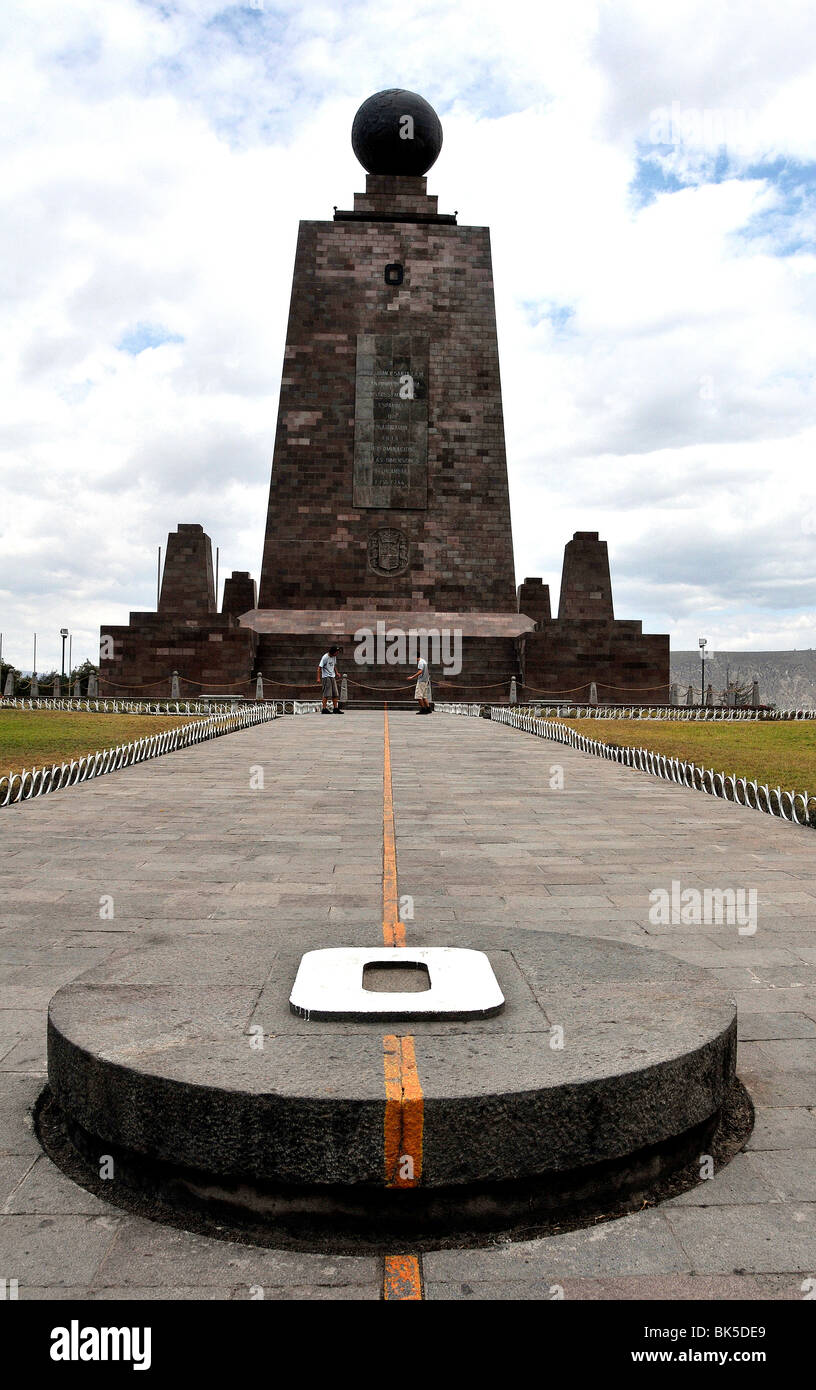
(109, 705)
(797, 807)
(709, 713)
(23, 786)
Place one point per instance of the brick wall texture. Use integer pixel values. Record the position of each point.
(586, 588)
(187, 579)
(459, 547)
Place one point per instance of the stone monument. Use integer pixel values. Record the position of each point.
(389, 499)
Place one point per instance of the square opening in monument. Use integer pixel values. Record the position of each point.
(392, 977)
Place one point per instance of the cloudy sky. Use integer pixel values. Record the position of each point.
(649, 175)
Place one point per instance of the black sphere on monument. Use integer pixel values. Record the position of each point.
(396, 132)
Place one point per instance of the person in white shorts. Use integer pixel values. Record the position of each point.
(423, 687)
(327, 676)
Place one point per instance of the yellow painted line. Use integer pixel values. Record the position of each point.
(404, 1113)
(402, 1277)
(393, 928)
(404, 1102)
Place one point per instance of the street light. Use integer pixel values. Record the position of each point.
(63, 635)
(703, 644)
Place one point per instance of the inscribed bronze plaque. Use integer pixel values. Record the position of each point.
(391, 421)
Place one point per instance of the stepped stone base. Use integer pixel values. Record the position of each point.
(212, 655)
(565, 655)
(223, 654)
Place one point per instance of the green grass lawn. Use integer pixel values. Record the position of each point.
(39, 737)
(782, 754)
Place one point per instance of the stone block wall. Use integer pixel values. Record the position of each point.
(534, 600)
(240, 593)
(289, 663)
(385, 502)
(211, 652)
(187, 580)
(565, 656)
(455, 551)
(586, 588)
(586, 643)
(212, 657)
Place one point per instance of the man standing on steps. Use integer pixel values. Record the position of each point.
(423, 687)
(327, 676)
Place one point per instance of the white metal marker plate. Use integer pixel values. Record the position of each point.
(329, 984)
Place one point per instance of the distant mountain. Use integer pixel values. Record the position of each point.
(786, 679)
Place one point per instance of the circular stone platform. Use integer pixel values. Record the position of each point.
(156, 1059)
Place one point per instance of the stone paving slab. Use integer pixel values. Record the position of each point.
(665, 1287)
(145, 1254)
(481, 840)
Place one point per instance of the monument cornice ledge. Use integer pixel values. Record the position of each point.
(446, 219)
(345, 622)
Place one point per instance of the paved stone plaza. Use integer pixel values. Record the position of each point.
(186, 849)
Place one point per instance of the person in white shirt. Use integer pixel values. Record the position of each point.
(327, 675)
(423, 687)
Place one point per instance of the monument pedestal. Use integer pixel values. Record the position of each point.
(226, 1102)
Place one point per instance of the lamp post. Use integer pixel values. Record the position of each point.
(703, 644)
(63, 635)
